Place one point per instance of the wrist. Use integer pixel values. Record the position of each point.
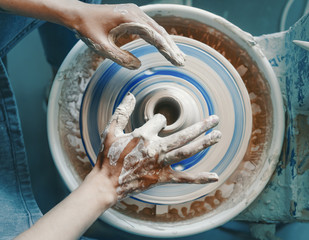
(101, 187)
(73, 16)
(66, 13)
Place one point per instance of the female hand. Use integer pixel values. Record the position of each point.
(136, 161)
(100, 25)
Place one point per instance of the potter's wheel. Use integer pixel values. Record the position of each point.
(207, 84)
(242, 177)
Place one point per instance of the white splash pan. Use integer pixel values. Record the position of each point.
(220, 215)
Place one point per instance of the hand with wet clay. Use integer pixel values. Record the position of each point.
(100, 25)
(141, 159)
(127, 163)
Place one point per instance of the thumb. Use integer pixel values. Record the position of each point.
(108, 49)
(154, 35)
(118, 55)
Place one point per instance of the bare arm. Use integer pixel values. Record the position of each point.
(75, 214)
(100, 25)
(127, 164)
(49, 10)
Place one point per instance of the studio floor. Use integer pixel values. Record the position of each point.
(30, 75)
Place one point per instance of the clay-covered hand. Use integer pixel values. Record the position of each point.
(141, 159)
(100, 25)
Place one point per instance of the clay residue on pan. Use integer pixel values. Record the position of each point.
(176, 212)
(79, 74)
(75, 80)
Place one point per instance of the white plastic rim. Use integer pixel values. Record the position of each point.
(200, 224)
(58, 153)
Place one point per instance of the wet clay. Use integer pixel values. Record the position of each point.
(169, 108)
(75, 80)
(259, 93)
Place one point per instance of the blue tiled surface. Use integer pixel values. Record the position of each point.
(30, 75)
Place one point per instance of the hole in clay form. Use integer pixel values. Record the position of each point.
(169, 108)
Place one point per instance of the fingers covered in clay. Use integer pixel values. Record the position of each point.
(152, 127)
(170, 49)
(165, 176)
(160, 39)
(192, 148)
(183, 177)
(122, 57)
(141, 159)
(99, 26)
(184, 136)
(122, 114)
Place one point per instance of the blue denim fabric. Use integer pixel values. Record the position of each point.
(12, 29)
(52, 37)
(18, 208)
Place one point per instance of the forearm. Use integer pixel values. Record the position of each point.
(75, 214)
(56, 11)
